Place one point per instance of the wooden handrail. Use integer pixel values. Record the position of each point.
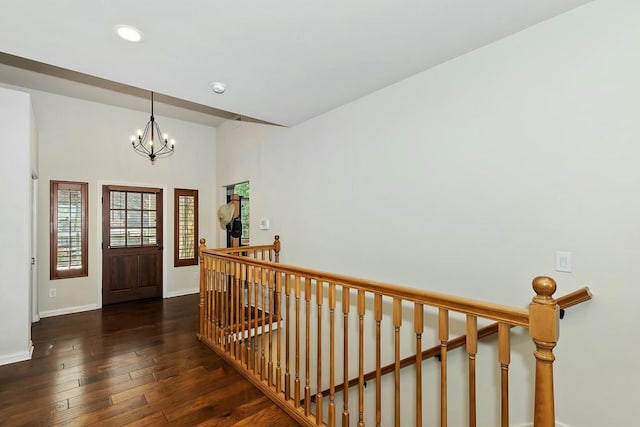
(243, 288)
(496, 312)
(240, 249)
(566, 301)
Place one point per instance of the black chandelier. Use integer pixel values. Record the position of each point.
(152, 142)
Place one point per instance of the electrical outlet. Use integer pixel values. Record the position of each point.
(52, 293)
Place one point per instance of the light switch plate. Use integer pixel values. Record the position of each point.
(563, 261)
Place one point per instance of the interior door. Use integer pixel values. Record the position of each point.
(131, 243)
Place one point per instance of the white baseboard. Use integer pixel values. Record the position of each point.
(558, 424)
(68, 310)
(20, 356)
(182, 292)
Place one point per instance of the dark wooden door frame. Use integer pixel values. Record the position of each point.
(135, 258)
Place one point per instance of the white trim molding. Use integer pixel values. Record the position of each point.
(68, 310)
(20, 356)
(182, 292)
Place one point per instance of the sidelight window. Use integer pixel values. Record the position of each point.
(68, 229)
(185, 227)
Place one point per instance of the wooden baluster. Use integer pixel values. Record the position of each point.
(231, 324)
(443, 332)
(307, 388)
(212, 309)
(263, 362)
(345, 357)
(205, 328)
(504, 356)
(271, 309)
(278, 331)
(251, 331)
(397, 323)
(287, 362)
(227, 304)
(238, 289)
(472, 350)
(244, 327)
(418, 327)
(332, 324)
(232, 306)
(543, 328)
(256, 319)
(276, 248)
(296, 382)
(202, 247)
(377, 314)
(264, 255)
(217, 291)
(319, 298)
(361, 308)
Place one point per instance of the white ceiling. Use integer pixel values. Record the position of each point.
(284, 61)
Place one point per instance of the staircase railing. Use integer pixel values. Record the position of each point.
(279, 326)
(565, 301)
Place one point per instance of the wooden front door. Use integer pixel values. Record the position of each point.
(131, 243)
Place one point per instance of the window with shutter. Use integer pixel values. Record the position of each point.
(68, 234)
(185, 227)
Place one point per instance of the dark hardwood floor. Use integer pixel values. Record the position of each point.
(129, 364)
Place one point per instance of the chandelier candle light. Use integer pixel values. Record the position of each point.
(145, 142)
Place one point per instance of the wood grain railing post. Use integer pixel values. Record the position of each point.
(307, 348)
(504, 357)
(472, 350)
(418, 326)
(319, 301)
(287, 322)
(346, 304)
(243, 312)
(228, 304)
(279, 332)
(377, 314)
(263, 344)
(237, 326)
(256, 318)
(443, 332)
(332, 334)
(202, 247)
(544, 318)
(397, 323)
(361, 311)
(296, 383)
(216, 317)
(272, 305)
(276, 248)
(250, 325)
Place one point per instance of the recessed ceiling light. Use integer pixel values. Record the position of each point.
(128, 33)
(218, 87)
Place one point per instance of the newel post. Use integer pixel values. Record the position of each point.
(202, 247)
(544, 330)
(276, 248)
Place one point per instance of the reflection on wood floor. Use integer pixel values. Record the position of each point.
(129, 364)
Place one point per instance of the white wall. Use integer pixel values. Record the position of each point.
(468, 177)
(15, 251)
(89, 142)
